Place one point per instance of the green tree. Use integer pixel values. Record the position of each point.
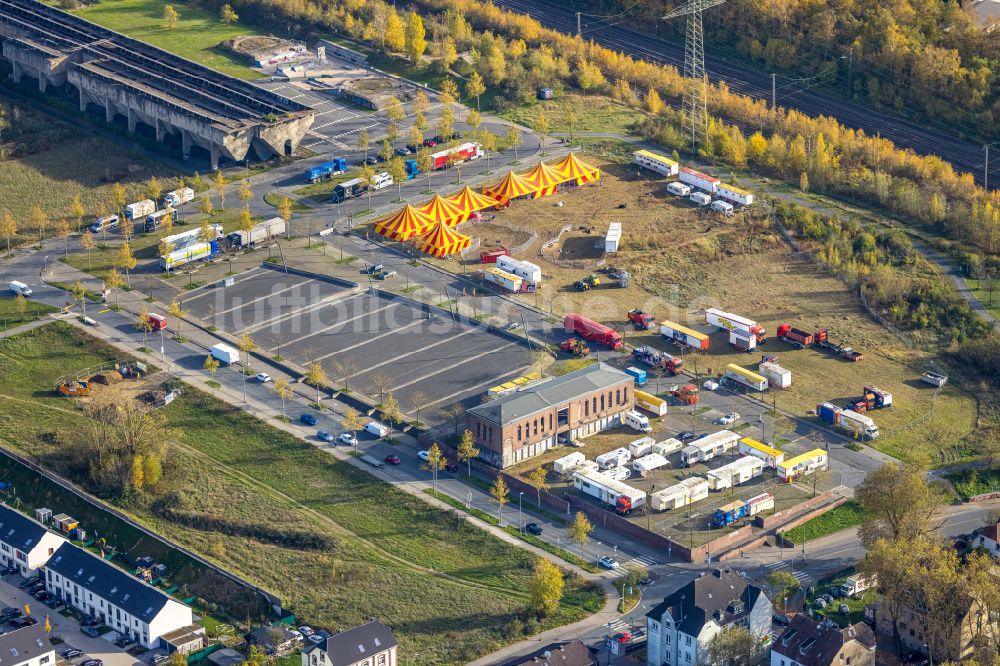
(425, 164)
(211, 364)
(21, 305)
(580, 529)
(500, 494)
(137, 475)
(416, 37)
(220, 187)
(898, 503)
(152, 470)
(64, 231)
(538, 479)
(38, 220)
(77, 210)
(153, 189)
(391, 411)
(467, 451)
(435, 463)
(395, 33)
(79, 293)
(88, 244)
(364, 141)
(8, 228)
(126, 261)
(733, 646)
(316, 376)
(283, 390)
(245, 343)
(474, 87)
(176, 310)
(653, 102)
(448, 55)
(227, 15)
(352, 421)
(170, 17)
(397, 169)
(366, 174)
(545, 590)
(783, 583)
(205, 206)
(514, 139)
(144, 323)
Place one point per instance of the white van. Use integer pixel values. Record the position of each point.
(102, 223)
(679, 189)
(700, 198)
(377, 429)
(382, 180)
(723, 207)
(20, 288)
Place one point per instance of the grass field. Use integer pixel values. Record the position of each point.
(275, 200)
(270, 491)
(196, 36)
(320, 192)
(975, 482)
(10, 317)
(596, 114)
(847, 515)
(982, 289)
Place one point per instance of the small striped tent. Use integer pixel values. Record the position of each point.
(545, 180)
(573, 170)
(469, 201)
(511, 187)
(404, 224)
(442, 241)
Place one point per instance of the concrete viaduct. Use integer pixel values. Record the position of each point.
(224, 116)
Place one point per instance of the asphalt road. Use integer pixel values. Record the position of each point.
(966, 155)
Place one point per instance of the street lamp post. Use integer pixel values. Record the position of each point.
(520, 523)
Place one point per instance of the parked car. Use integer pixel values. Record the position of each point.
(371, 161)
(385, 275)
(440, 139)
(402, 152)
(623, 636)
(845, 609)
(376, 268)
(731, 417)
(836, 592)
(457, 135)
(72, 653)
(533, 528)
(325, 436)
(90, 631)
(710, 385)
(348, 438)
(424, 455)
(10, 611)
(306, 631)
(27, 582)
(821, 602)
(308, 419)
(393, 459)
(91, 622)
(429, 143)
(316, 639)
(450, 466)
(686, 436)
(781, 620)
(296, 634)
(606, 562)
(9, 571)
(263, 377)
(92, 662)
(412, 147)
(43, 595)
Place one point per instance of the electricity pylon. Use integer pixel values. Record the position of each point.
(694, 108)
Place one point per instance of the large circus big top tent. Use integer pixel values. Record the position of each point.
(469, 202)
(545, 179)
(439, 209)
(442, 240)
(404, 224)
(573, 169)
(511, 187)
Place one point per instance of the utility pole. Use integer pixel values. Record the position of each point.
(774, 91)
(579, 33)
(850, 71)
(986, 169)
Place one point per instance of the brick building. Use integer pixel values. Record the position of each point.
(528, 423)
(809, 642)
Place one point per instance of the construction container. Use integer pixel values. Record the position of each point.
(771, 456)
(803, 465)
(777, 376)
(655, 162)
(641, 447)
(745, 377)
(686, 492)
(613, 238)
(523, 269)
(568, 462)
(697, 179)
(655, 405)
(638, 374)
(735, 194)
(648, 463)
(735, 473)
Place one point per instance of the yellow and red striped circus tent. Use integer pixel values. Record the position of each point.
(469, 202)
(574, 169)
(545, 180)
(404, 224)
(439, 209)
(442, 240)
(511, 187)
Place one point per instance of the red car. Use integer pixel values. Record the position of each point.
(392, 459)
(429, 143)
(623, 637)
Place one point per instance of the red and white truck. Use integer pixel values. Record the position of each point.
(733, 322)
(461, 153)
(592, 331)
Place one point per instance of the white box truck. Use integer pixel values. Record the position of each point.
(376, 429)
(177, 197)
(615, 458)
(225, 354)
(17, 287)
(139, 209)
(636, 421)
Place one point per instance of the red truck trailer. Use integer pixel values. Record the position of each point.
(158, 322)
(592, 331)
(491, 256)
(794, 336)
(445, 158)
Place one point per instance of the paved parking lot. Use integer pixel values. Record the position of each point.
(65, 628)
(377, 341)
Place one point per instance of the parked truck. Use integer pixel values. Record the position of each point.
(225, 354)
(622, 497)
(872, 398)
(845, 419)
(746, 378)
(327, 170)
(660, 360)
(189, 254)
(685, 395)
(643, 321)
(820, 338)
(575, 346)
(732, 322)
(730, 513)
(857, 584)
(446, 158)
(191, 236)
(683, 335)
(348, 190)
(261, 231)
(175, 198)
(794, 336)
(592, 331)
(138, 210)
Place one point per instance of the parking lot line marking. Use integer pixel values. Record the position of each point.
(261, 298)
(466, 390)
(204, 291)
(345, 321)
(352, 293)
(364, 342)
(411, 353)
(453, 366)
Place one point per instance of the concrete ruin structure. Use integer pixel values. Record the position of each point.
(224, 116)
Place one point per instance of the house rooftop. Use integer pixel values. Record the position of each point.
(721, 595)
(26, 644)
(551, 393)
(573, 653)
(18, 531)
(357, 644)
(812, 642)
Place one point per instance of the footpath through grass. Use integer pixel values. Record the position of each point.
(10, 317)
(319, 533)
(847, 515)
(196, 37)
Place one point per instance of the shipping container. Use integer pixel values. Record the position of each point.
(641, 447)
(679, 189)
(728, 514)
(648, 463)
(777, 376)
(653, 404)
(702, 181)
(616, 458)
(771, 456)
(686, 492)
(735, 194)
(735, 473)
(683, 335)
(745, 377)
(639, 374)
(613, 238)
(655, 162)
(803, 465)
(708, 447)
(568, 462)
